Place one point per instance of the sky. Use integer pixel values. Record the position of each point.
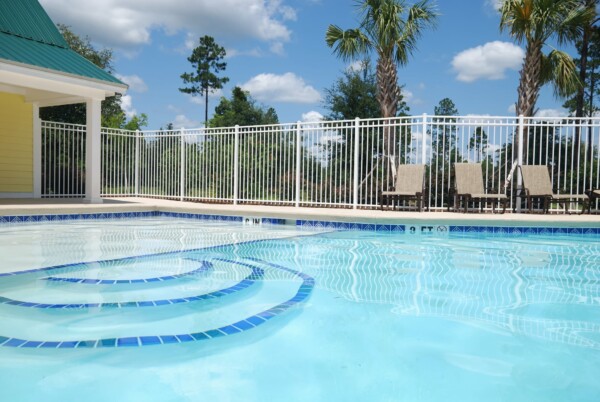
(276, 51)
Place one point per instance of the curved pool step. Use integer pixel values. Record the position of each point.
(193, 323)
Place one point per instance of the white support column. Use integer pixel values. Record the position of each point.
(37, 152)
(93, 143)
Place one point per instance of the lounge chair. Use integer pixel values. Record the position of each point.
(469, 187)
(537, 185)
(593, 195)
(410, 185)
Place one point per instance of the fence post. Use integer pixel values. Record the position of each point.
(356, 163)
(136, 167)
(181, 165)
(236, 164)
(424, 139)
(520, 151)
(298, 160)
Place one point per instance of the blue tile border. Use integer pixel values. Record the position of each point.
(16, 219)
(302, 294)
(524, 230)
(204, 267)
(256, 274)
(310, 224)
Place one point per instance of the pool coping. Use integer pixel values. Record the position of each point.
(30, 210)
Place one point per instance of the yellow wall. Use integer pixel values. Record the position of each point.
(16, 144)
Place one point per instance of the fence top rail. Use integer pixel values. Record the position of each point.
(467, 120)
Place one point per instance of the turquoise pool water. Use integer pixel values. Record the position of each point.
(162, 309)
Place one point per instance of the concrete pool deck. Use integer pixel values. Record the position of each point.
(49, 206)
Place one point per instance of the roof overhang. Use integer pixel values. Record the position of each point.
(52, 88)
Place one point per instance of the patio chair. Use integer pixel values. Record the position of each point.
(593, 195)
(469, 187)
(410, 185)
(537, 185)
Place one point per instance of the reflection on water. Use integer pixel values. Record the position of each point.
(542, 287)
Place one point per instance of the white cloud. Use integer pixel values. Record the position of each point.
(489, 61)
(181, 121)
(127, 106)
(512, 108)
(136, 84)
(287, 88)
(128, 24)
(408, 95)
(494, 5)
(312, 116)
(277, 48)
(173, 108)
(551, 113)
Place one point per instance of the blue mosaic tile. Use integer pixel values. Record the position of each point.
(68, 345)
(51, 345)
(14, 342)
(243, 325)
(31, 344)
(200, 336)
(150, 340)
(107, 342)
(131, 341)
(87, 344)
(228, 329)
(255, 320)
(169, 339)
(185, 338)
(214, 333)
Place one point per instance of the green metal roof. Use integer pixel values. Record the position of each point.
(28, 36)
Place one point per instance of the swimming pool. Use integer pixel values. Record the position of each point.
(171, 309)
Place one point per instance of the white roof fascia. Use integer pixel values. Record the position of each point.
(24, 75)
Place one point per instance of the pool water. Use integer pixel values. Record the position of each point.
(163, 309)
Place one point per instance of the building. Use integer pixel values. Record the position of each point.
(38, 69)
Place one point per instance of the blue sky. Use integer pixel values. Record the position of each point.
(276, 50)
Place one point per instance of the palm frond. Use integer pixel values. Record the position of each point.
(559, 69)
(421, 15)
(348, 44)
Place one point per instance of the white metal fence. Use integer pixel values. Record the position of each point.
(328, 163)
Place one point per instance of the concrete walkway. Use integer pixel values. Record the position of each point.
(78, 206)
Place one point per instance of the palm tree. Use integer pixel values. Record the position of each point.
(391, 29)
(535, 23)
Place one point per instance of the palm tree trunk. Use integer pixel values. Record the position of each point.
(579, 98)
(388, 94)
(529, 84)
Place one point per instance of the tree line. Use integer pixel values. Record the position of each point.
(389, 30)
